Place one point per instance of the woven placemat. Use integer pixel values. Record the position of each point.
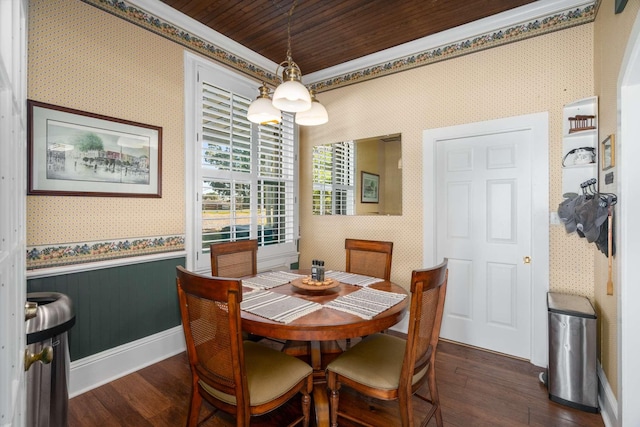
(366, 302)
(277, 307)
(352, 278)
(271, 279)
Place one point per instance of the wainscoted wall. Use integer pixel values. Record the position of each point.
(117, 305)
(84, 58)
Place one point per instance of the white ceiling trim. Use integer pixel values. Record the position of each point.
(527, 13)
(381, 63)
(190, 25)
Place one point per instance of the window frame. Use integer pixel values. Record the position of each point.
(270, 256)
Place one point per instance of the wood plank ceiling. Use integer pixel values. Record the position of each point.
(325, 33)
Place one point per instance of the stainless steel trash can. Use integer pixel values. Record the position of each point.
(572, 379)
(47, 383)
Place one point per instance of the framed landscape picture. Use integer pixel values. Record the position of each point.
(608, 152)
(75, 153)
(370, 187)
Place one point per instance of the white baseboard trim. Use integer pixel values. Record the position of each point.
(101, 368)
(607, 400)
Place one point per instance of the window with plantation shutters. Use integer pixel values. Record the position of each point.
(226, 132)
(245, 185)
(276, 173)
(334, 179)
(226, 163)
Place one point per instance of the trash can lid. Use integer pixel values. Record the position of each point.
(573, 305)
(54, 316)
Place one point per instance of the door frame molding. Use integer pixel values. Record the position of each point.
(628, 232)
(538, 123)
(13, 160)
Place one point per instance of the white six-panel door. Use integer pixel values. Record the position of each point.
(486, 209)
(484, 222)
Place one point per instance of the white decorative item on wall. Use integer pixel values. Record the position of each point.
(579, 143)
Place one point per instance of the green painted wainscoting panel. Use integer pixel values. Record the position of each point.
(117, 305)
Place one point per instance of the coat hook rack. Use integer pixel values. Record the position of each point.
(590, 190)
(607, 200)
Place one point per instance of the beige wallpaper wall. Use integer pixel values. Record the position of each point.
(538, 74)
(611, 36)
(83, 58)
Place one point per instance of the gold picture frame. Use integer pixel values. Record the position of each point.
(608, 152)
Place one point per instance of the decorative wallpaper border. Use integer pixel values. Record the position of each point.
(47, 256)
(519, 32)
(537, 27)
(142, 18)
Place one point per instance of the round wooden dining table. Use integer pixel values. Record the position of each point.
(320, 329)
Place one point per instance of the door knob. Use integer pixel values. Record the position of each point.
(527, 260)
(30, 310)
(45, 356)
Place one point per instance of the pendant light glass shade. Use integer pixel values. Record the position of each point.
(291, 95)
(316, 115)
(262, 110)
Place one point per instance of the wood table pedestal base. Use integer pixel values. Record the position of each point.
(318, 354)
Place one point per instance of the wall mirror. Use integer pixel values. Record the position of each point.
(358, 177)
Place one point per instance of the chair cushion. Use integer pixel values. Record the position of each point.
(270, 374)
(376, 362)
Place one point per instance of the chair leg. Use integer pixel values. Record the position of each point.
(334, 395)
(406, 406)
(306, 409)
(433, 391)
(333, 408)
(194, 407)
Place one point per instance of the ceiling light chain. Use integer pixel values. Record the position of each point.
(293, 6)
(290, 96)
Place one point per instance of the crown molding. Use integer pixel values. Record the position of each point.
(180, 20)
(157, 17)
(538, 18)
(536, 11)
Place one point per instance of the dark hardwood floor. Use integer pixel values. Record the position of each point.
(477, 388)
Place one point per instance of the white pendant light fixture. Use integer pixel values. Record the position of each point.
(316, 115)
(291, 95)
(262, 110)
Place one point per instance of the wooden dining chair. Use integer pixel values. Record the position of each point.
(369, 257)
(235, 376)
(387, 367)
(234, 259)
